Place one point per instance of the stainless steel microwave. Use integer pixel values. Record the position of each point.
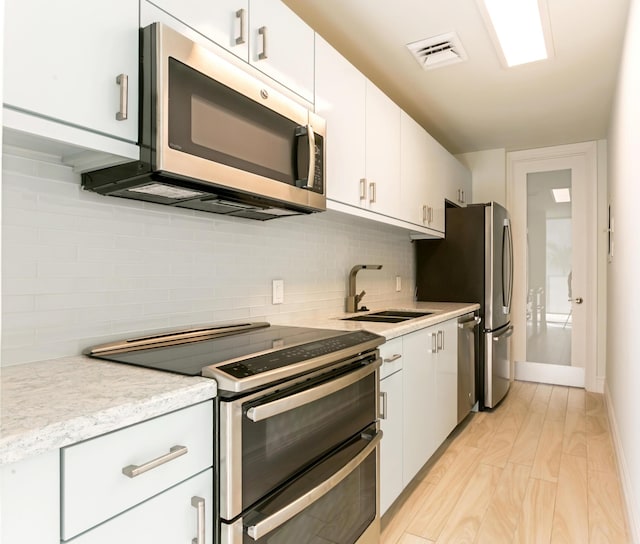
(215, 138)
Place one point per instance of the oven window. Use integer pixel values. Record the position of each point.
(339, 517)
(212, 121)
(276, 448)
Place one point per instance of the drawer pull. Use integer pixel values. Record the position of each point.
(135, 470)
(394, 357)
(198, 504)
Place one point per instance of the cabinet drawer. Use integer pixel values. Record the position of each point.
(94, 486)
(391, 355)
(167, 518)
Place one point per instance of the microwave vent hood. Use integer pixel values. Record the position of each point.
(213, 137)
(135, 181)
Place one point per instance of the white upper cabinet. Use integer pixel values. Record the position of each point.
(226, 22)
(340, 95)
(264, 33)
(363, 136)
(63, 61)
(458, 179)
(382, 139)
(421, 194)
(281, 45)
(429, 176)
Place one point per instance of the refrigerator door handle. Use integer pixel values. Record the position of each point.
(504, 334)
(507, 267)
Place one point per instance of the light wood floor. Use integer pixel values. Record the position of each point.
(539, 469)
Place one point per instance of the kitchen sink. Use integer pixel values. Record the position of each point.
(401, 313)
(377, 318)
(388, 316)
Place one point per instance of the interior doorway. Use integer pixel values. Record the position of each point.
(553, 202)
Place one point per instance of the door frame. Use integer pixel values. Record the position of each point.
(562, 375)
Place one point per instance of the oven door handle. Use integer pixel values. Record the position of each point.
(274, 521)
(280, 406)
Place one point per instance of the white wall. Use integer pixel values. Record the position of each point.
(623, 346)
(81, 268)
(488, 174)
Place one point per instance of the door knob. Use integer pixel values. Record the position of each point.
(578, 300)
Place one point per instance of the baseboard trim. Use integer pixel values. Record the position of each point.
(554, 374)
(633, 517)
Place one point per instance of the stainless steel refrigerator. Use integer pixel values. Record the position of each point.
(474, 263)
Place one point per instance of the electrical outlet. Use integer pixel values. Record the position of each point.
(398, 283)
(277, 291)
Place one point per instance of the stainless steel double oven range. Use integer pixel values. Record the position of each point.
(298, 451)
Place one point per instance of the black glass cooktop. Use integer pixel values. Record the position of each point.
(248, 353)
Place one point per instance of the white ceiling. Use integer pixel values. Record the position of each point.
(478, 104)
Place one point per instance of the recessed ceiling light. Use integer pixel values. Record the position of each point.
(521, 29)
(561, 195)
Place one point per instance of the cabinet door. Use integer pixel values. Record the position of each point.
(414, 172)
(391, 445)
(281, 45)
(61, 61)
(382, 136)
(168, 518)
(446, 380)
(340, 96)
(224, 21)
(458, 178)
(30, 499)
(418, 433)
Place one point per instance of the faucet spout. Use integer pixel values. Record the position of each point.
(352, 299)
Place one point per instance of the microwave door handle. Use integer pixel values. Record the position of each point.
(312, 156)
(280, 517)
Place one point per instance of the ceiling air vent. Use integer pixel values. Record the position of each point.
(438, 51)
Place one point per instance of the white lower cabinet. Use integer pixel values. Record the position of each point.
(144, 471)
(419, 441)
(390, 412)
(446, 380)
(429, 396)
(179, 514)
(105, 476)
(391, 445)
(30, 500)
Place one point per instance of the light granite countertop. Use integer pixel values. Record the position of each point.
(50, 404)
(47, 405)
(440, 311)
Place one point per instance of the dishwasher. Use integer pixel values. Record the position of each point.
(467, 342)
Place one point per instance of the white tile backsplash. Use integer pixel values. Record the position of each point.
(80, 268)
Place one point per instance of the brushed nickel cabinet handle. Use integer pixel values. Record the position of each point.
(424, 213)
(123, 81)
(440, 340)
(372, 192)
(434, 344)
(394, 357)
(135, 470)
(242, 15)
(198, 504)
(383, 413)
(363, 188)
(262, 31)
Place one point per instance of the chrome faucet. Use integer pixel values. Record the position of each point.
(352, 299)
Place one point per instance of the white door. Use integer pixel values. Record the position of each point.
(553, 208)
